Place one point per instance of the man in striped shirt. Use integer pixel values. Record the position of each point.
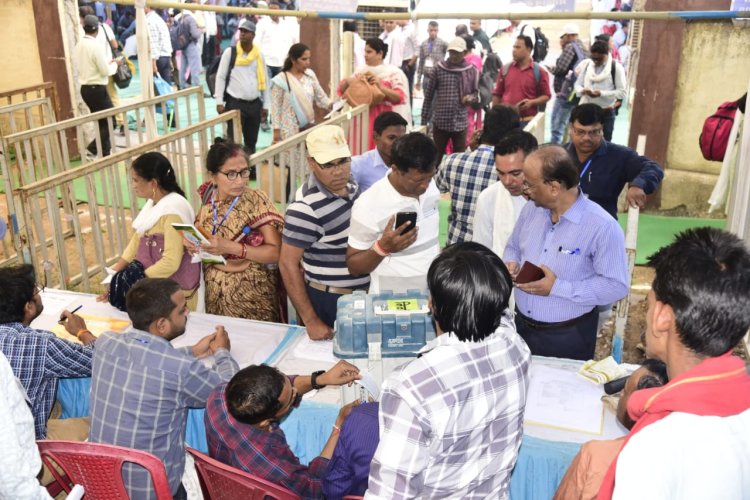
(316, 230)
(580, 248)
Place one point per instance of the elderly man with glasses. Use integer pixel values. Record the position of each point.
(316, 228)
(604, 168)
(580, 250)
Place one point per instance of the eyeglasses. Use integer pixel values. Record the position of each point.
(232, 174)
(335, 164)
(591, 133)
(40, 288)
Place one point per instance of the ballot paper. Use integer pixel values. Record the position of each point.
(561, 399)
(317, 350)
(110, 272)
(602, 371)
(55, 302)
(369, 386)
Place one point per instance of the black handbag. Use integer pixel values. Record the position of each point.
(123, 75)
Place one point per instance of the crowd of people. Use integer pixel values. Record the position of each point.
(449, 423)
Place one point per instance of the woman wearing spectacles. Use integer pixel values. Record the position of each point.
(243, 225)
(156, 249)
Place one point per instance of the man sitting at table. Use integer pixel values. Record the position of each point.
(690, 437)
(38, 357)
(142, 387)
(242, 424)
(586, 471)
(452, 419)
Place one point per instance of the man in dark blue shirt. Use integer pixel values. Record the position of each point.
(604, 167)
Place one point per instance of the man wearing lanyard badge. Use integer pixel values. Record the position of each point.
(605, 167)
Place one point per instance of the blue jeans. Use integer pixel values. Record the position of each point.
(560, 116)
(191, 58)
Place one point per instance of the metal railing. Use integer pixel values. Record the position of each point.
(44, 151)
(46, 89)
(74, 223)
(282, 167)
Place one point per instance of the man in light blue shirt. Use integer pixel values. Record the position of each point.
(581, 250)
(373, 165)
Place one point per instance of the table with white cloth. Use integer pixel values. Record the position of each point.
(543, 458)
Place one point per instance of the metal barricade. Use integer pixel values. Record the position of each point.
(75, 222)
(282, 167)
(39, 91)
(43, 151)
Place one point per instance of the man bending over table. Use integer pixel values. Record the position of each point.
(142, 387)
(242, 424)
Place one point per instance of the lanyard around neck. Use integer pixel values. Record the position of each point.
(216, 226)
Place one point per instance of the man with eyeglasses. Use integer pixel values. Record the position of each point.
(581, 251)
(316, 228)
(39, 357)
(242, 424)
(604, 168)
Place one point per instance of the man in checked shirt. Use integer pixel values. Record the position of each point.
(452, 419)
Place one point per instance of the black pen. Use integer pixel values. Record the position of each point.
(62, 318)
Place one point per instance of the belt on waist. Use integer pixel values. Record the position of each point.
(93, 85)
(541, 325)
(330, 289)
(230, 96)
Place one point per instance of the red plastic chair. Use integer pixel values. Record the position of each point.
(224, 482)
(98, 468)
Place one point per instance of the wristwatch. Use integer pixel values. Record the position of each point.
(314, 379)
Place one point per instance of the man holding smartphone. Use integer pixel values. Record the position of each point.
(394, 227)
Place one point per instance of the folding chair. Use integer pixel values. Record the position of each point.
(98, 468)
(224, 482)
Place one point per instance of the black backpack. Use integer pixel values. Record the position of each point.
(490, 70)
(541, 45)
(179, 33)
(213, 70)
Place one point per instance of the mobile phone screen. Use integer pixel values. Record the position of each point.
(402, 217)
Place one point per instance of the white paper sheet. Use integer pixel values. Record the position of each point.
(561, 399)
(317, 350)
(54, 302)
(369, 384)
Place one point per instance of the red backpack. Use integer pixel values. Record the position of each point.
(715, 135)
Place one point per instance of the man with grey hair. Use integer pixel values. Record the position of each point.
(580, 249)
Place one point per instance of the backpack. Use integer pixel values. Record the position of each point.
(179, 33)
(537, 78)
(487, 79)
(714, 137)
(541, 45)
(213, 70)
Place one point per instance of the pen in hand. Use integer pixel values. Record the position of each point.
(62, 318)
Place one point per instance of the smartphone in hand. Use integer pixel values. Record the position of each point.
(402, 217)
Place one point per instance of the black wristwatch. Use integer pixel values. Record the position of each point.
(314, 379)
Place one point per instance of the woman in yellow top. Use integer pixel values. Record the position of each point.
(243, 225)
(156, 246)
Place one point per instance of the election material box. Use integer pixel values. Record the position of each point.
(379, 332)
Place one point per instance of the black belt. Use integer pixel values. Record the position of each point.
(541, 325)
(243, 100)
(93, 85)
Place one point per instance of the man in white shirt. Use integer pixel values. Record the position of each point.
(19, 461)
(409, 53)
(95, 66)
(601, 81)
(392, 36)
(242, 83)
(499, 206)
(397, 258)
(161, 45)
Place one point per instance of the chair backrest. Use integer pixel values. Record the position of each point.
(98, 468)
(224, 482)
